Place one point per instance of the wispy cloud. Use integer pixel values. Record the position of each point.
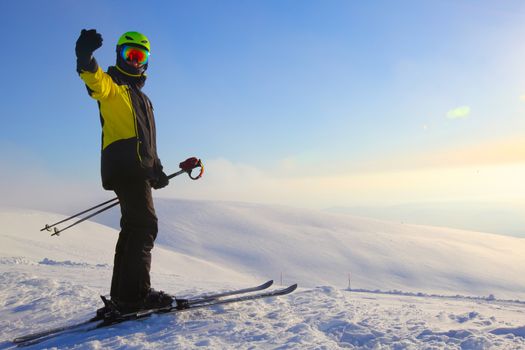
(489, 153)
(495, 152)
(490, 171)
(459, 112)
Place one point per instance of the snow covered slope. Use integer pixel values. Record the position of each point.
(50, 281)
(89, 245)
(319, 248)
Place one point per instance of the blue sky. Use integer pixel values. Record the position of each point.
(307, 103)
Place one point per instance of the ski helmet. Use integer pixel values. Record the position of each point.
(132, 39)
(135, 38)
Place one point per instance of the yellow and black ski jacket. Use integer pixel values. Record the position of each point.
(129, 150)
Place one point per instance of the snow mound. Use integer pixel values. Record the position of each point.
(517, 331)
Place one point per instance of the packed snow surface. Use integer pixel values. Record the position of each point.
(413, 287)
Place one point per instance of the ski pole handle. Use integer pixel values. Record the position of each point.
(188, 165)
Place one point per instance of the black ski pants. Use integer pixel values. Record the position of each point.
(131, 270)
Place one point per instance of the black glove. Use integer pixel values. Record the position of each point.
(87, 42)
(161, 181)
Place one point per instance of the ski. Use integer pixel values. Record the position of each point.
(43, 335)
(89, 326)
(207, 303)
(214, 296)
(35, 338)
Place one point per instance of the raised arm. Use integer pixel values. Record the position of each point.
(99, 84)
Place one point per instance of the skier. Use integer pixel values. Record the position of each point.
(130, 165)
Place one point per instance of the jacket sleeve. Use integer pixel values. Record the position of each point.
(100, 85)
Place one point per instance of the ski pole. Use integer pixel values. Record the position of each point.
(188, 165)
(48, 227)
(57, 232)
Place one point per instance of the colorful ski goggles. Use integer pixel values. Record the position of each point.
(135, 54)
